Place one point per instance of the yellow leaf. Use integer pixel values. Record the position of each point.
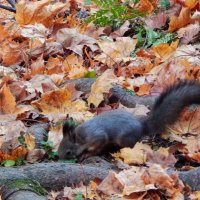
(164, 51)
(59, 101)
(136, 155)
(102, 85)
(30, 141)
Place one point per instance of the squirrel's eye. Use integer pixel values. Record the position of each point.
(68, 152)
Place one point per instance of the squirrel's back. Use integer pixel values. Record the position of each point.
(115, 124)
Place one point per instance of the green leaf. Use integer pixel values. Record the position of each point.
(165, 4)
(164, 39)
(20, 161)
(90, 74)
(79, 195)
(21, 139)
(87, 2)
(8, 163)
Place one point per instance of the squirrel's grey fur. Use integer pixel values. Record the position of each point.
(118, 127)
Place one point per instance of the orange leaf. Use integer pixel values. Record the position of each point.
(54, 65)
(3, 33)
(144, 90)
(19, 152)
(7, 101)
(11, 53)
(37, 12)
(164, 51)
(191, 3)
(37, 67)
(27, 11)
(182, 20)
(146, 5)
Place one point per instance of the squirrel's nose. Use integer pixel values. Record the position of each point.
(68, 152)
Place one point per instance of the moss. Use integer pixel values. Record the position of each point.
(26, 184)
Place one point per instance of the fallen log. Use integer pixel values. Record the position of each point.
(54, 176)
(125, 97)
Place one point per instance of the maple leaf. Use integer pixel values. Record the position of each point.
(71, 39)
(74, 67)
(120, 32)
(146, 5)
(12, 52)
(115, 51)
(3, 33)
(156, 21)
(164, 51)
(102, 85)
(7, 101)
(37, 67)
(162, 157)
(30, 141)
(59, 101)
(37, 12)
(36, 31)
(189, 51)
(182, 20)
(189, 33)
(54, 65)
(136, 155)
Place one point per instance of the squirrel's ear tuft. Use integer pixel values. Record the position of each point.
(69, 126)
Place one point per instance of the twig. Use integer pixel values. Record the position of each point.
(8, 8)
(12, 3)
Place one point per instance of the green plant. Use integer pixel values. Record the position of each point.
(112, 13)
(48, 148)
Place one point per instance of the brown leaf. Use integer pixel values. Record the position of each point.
(156, 21)
(116, 51)
(71, 39)
(189, 33)
(37, 12)
(182, 20)
(162, 157)
(36, 31)
(120, 32)
(35, 155)
(7, 101)
(38, 67)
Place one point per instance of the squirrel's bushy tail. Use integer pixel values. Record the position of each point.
(170, 104)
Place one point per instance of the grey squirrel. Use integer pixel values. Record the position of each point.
(118, 127)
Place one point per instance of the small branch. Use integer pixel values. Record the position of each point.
(11, 2)
(8, 8)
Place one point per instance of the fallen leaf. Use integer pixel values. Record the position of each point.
(35, 155)
(165, 51)
(182, 20)
(102, 85)
(189, 33)
(115, 51)
(30, 141)
(135, 155)
(36, 31)
(7, 101)
(71, 39)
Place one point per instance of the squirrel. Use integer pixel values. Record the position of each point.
(121, 128)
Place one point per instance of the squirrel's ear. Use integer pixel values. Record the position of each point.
(68, 127)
